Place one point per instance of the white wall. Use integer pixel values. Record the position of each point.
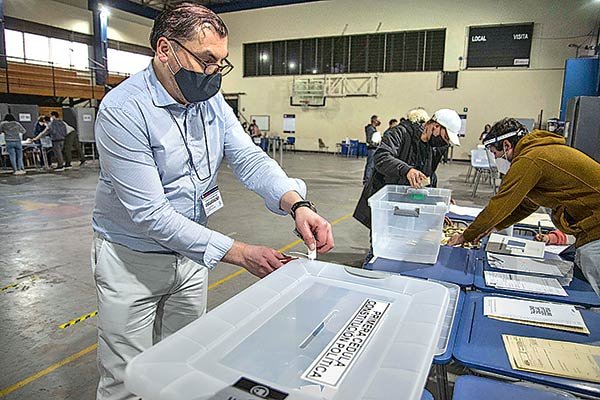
(488, 94)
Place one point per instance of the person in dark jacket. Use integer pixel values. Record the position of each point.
(370, 132)
(405, 156)
(57, 131)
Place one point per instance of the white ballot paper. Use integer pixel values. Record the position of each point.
(548, 315)
(553, 267)
(524, 283)
(468, 211)
(515, 246)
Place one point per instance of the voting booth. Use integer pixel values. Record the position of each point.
(310, 330)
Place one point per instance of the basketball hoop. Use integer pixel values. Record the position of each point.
(304, 104)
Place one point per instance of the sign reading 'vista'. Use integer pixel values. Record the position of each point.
(499, 46)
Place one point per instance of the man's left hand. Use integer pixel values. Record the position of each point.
(314, 229)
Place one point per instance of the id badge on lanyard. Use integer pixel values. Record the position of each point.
(212, 201)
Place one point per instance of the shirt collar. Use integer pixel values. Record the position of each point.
(160, 96)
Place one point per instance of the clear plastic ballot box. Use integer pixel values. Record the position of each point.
(310, 330)
(407, 224)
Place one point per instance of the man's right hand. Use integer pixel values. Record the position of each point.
(258, 260)
(415, 178)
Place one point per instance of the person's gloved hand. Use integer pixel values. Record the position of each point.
(415, 178)
(314, 229)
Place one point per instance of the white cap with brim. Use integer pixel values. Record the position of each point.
(450, 120)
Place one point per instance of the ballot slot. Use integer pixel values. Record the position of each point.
(302, 330)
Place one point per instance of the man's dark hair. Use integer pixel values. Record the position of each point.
(46, 118)
(393, 121)
(184, 21)
(54, 114)
(373, 117)
(502, 127)
(9, 117)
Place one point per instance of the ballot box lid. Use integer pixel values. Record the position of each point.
(310, 330)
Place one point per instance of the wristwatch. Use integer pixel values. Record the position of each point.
(302, 203)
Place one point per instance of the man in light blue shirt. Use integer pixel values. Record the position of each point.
(161, 136)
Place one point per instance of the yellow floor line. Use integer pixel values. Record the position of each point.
(73, 357)
(13, 285)
(44, 372)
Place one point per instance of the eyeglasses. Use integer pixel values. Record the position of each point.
(209, 68)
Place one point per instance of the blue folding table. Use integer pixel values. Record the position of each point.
(479, 345)
(426, 395)
(468, 387)
(579, 291)
(454, 265)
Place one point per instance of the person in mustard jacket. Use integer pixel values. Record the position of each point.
(541, 170)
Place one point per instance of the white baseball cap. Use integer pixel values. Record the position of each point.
(450, 120)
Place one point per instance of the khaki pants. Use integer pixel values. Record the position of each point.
(142, 298)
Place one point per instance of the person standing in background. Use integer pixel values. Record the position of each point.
(13, 132)
(72, 141)
(370, 130)
(391, 125)
(486, 130)
(57, 131)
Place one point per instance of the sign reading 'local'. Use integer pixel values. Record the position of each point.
(339, 355)
(499, 45)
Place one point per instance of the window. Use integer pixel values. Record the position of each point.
(325, 55)
(126, 62)
(250, 59)
(358, 53)
(380, 52)
(309, 56)
(60, 52)
(278, 58)
(37, 48)
(80, 53)
(375, 57)
(14, 44)
(293, 57)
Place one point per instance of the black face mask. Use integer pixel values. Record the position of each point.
(437, 141)
(196, 86)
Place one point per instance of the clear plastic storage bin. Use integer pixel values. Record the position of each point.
(311, 330)
(407, 224)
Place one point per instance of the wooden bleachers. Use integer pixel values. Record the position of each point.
(41, 80)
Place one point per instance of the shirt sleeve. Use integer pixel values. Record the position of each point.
(522, 176)
(126, 158)
(254, 168)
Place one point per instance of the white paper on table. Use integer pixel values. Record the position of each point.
(528, 265)
(515, 246)
(555, 249)
(533, 311)
(545, 221)
(469, 211)
(524, 283)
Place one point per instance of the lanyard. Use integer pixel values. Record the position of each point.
(184, 139)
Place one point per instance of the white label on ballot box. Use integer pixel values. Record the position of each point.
(339, 355)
